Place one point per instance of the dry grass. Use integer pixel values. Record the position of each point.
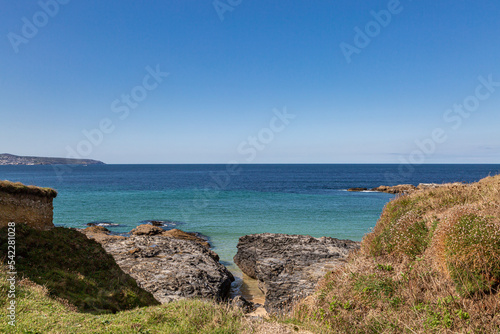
(19, 188)
(431, 264)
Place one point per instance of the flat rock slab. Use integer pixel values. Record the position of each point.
(170, 268)
(289, 267)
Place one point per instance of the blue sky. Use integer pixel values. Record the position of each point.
(233, 65)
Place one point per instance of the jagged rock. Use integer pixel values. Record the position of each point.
(156, 223)
(357, 189)
(99, 233)
(97, 229)
(399, 189)
(178, 234)
(423, 186)
(146, 229)
(168, 267)
(243, 304)
(406, 188)
(288, 267)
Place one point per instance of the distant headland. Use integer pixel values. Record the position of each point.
(10, 159)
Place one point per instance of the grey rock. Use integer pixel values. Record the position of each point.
(399, 189)
(156, 223)
(170, 268)
(147, 230)
(289, 267)
(243, 304)
(357, 189)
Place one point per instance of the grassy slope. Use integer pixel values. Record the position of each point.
(69, 284)
(74, 268)
(431, 264)
(38, 312)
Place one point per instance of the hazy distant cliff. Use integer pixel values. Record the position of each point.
(9, 159)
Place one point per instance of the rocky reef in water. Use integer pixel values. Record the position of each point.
(403, 188)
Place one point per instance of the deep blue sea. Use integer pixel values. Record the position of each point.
(227, 202)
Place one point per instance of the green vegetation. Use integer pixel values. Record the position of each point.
(19, 188)
(477, 235)
(74, 268)
(38, 312)
(431, 265)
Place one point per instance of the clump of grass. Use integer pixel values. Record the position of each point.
(19, 188)
(400, 231)
(472, 252)
(74, 268)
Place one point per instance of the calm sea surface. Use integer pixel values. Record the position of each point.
(225, 204)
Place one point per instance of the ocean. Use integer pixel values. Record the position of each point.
(226, 202)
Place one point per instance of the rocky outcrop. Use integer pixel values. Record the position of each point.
(357, 189)
(170, 265)
(243, 304)
(26, 204)
(405, 188)
(423, 186)
(100, 234)
(288, 267)
(147, 230)
(178, 234)
(399, 189)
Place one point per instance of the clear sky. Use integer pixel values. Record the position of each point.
(351, 81)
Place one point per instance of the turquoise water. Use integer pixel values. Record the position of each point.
(229, 215)
(292, 199)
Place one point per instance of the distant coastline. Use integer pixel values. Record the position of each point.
(11, 160)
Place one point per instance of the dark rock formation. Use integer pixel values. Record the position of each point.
(167, 265)
(399, 189)
(147, 230)
(357, 189)
(156, 223)
(100, 234)
(243, 304)
(288, 267)
(97, 229)
(409, 188)
(178, 234)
